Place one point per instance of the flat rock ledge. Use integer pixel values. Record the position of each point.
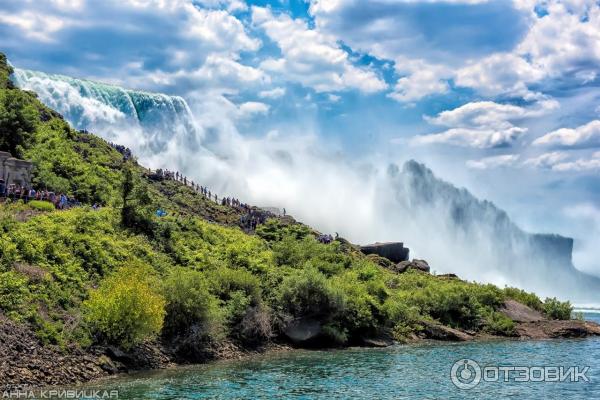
(557, 329)
(437, 331)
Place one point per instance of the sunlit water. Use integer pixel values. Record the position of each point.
(399, 372)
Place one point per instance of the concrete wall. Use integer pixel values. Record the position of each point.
(15, 171)
(3, 157)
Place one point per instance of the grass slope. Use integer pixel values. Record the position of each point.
(122, 275)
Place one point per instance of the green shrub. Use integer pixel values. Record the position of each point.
(18, 119)
(248, 319)
(556, 309)
(126, 309)
(41, 205)
(294, 253)
(308, 293)
(274, 230)
(499, 324)
(335, 333)
(362, 313)
(190, 304)
(14, 293)
(403, 318)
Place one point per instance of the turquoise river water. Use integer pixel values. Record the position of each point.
(397, 372)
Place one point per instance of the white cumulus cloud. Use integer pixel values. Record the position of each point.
(310, 57)
(587, 135)
(494, 162)
(483, 124)
(274, 93)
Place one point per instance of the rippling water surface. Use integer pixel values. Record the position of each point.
(397, 372)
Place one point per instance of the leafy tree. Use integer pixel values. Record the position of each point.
(499, 324)
(127, 308)
(308, 293)
(190, 304)
(136, 213)
(556, 309)
(18, 118)
(5, 72)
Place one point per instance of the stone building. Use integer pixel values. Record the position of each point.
(15, 171)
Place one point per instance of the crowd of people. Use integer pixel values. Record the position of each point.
(125, 151)
(326, 238)
(16, 192)
(249, 220)
(202, 190)
(251, 216)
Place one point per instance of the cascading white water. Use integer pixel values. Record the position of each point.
(108, 109)
(447, 226)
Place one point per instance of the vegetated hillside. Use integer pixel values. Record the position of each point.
(121, 275)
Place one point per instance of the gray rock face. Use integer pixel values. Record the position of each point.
(303, 330)
(520, 312)
(483, 234)
(393, 251)
(437, 331)
(419, 265)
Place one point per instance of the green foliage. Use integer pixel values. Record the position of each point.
(5, 72)
(190, 304)
(455, 303)
(523, 297)
(556, 309)
(499, 324)
(248, 319)
(294, 253)
(403, 318)
(13, 293)
(126, 309)
(364, 294)
(78, 164)
(18, 118)
(41, 205)
(308, 293)
(275, 229)
(137, 210)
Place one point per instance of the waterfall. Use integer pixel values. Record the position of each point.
(108, 110)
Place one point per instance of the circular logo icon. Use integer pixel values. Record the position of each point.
(465, 374)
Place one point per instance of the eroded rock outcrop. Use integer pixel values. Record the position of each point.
(393, 251)
(419, 265)
(557, 329)
(436, 331)
(520, 312)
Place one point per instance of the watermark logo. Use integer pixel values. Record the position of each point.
(59, 394)
(467, 374)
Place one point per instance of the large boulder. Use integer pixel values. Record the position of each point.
(436, 331)
(303, 330)
(419, 265)
(393, 251)
(520, 312)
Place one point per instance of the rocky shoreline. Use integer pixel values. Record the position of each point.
(27, 363)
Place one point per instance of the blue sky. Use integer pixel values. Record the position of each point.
(502, 97)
